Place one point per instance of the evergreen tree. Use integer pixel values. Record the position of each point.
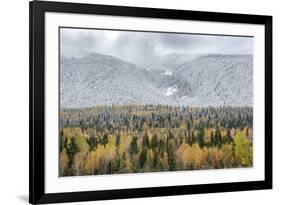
(143, 157)
(104, 140)
(193, 138)
(171, 155)
(145, 141)
(71, 149)
(154, 142)
(218, 138)
(212, 139)
(155, 159)
(117, 139)
(201, 142)
(133, 146)
(228, 137)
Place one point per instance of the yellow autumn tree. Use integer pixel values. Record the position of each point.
(80, 140)
(200, 156)
(214, 156)
(78, 163)
(64, 161)
(164, 161)
(243, 150)
(227, 155)
(109, 154)
(90, 163)
(182, 156)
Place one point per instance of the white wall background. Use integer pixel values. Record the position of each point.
(14, 100)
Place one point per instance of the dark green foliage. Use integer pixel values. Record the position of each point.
(62, 141)
(145, 141)
(133, 146)
(217, 138)
(193, 138)
(104, 140)
(228, 138)
(155, 159)
(110, 117)
(161, 146)
(117, 141)
(154, 142)
(71, 148)
(92, 142)
(212, 142)
(201, 138)
(143, 157)
(171, 154)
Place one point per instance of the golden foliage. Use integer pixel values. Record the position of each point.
(63, 165)
(153, 139)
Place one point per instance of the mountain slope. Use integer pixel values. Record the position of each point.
(216, 80)
(99, 79)
(211, 80)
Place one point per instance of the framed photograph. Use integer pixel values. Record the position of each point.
(141, 102)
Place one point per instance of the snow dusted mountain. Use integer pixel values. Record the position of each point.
(161, 73)
(215, 80)
(174, 60)
(167, 64)
(210, 80)
(99, 79)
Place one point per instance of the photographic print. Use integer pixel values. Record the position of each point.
(139, 101)
(129, 102)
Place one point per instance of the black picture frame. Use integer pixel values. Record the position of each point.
(37, 10)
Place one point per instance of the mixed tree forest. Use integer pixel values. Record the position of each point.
(153, 138)
(138, 102)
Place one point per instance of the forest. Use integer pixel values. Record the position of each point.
(120, 139)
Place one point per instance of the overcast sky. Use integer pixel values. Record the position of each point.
(143, 48)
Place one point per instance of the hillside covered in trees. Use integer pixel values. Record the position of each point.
(153, 138)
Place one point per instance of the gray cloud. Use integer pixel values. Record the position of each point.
(143, 48)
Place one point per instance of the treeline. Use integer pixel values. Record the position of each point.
(148, 138)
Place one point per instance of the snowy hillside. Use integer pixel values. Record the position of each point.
(210, 80)
(100, 79)
(174, 60)
(216, 80)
